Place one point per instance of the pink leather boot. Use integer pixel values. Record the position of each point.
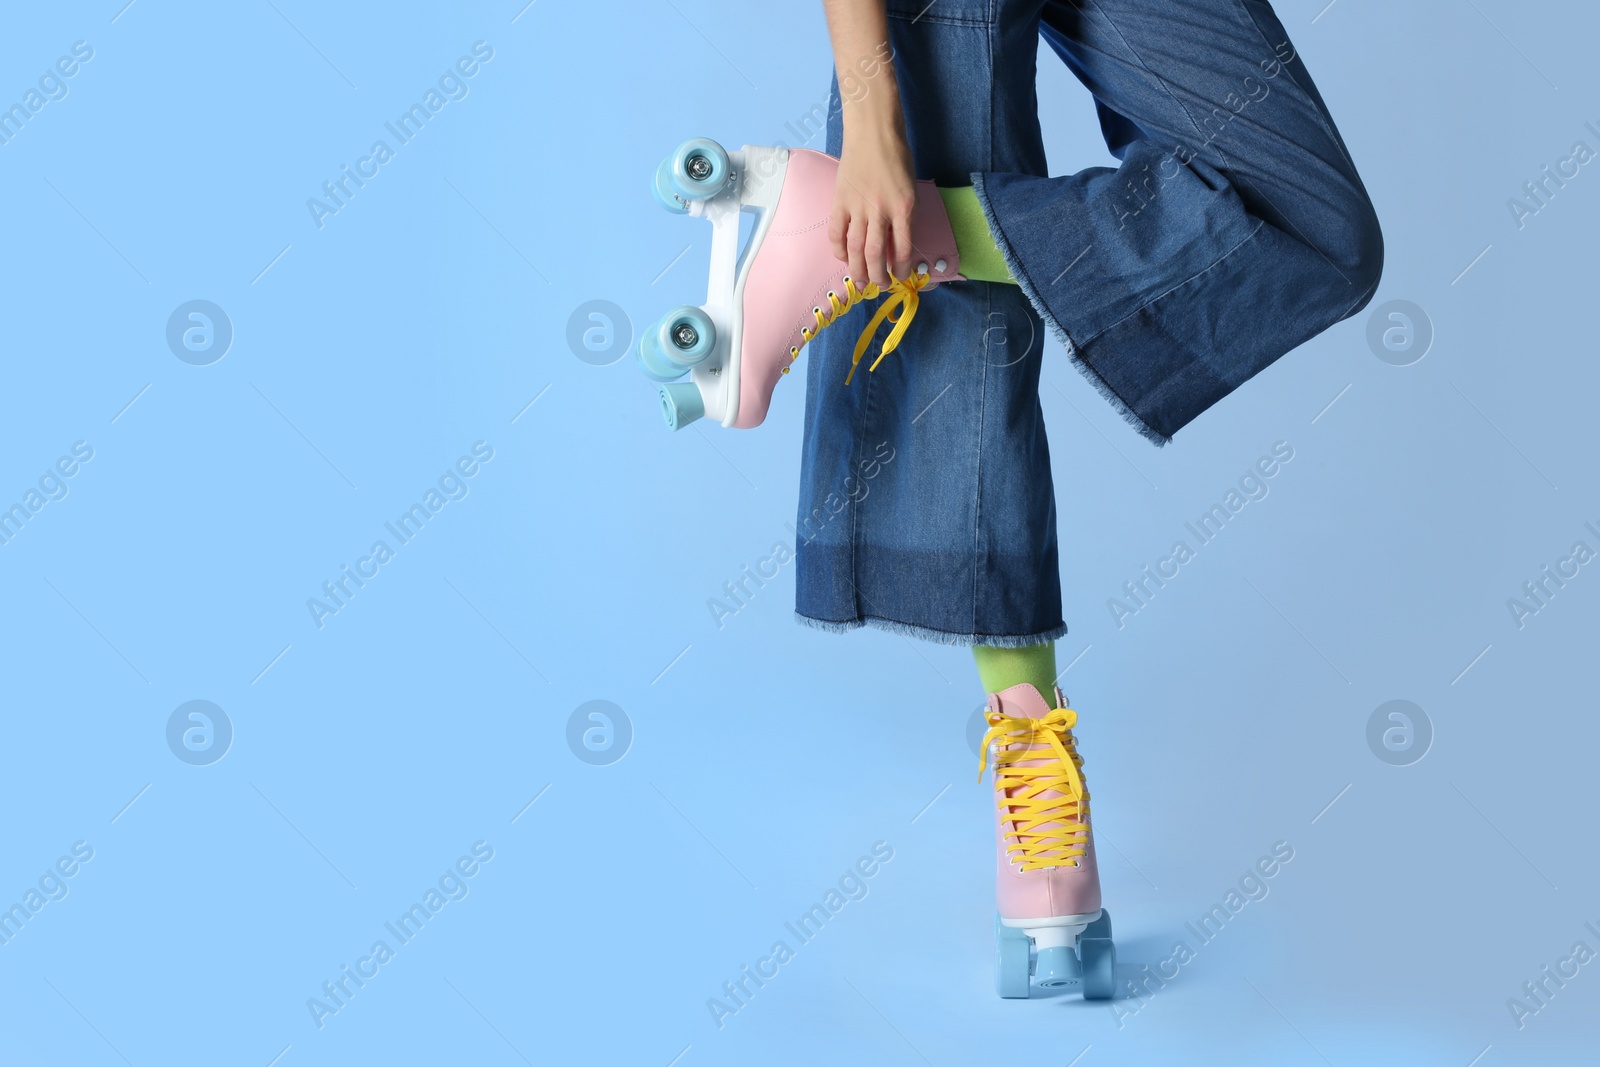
(766, 302)
(1047, 883)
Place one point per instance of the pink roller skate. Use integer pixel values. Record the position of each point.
(766, 302)
(1047, 883)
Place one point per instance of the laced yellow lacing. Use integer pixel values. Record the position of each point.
(899, 309)
(1040, 831)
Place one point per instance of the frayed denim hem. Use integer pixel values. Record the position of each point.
(1131, 417)
(939, 637)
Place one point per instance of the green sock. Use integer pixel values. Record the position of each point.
(980, 256)
(1001, 668)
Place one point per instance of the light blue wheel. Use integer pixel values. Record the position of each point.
(1010, 962)
(685, 337)
(699, 169)
(1100, 928)
(656, 366)
(1099, 967)
(661, 186)
(681, 404)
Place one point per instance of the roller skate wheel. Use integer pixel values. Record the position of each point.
(686, 337)
(699, 169)
(661, 187)
(655, 364)
(681, 404)
(1099, 967)
(1010, 962)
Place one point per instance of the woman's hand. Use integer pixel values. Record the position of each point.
(872, 203)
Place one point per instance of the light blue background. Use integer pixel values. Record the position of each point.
(425, 716)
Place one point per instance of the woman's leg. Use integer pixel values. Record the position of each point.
(926, 503)
(1001, 668)
(1235, 229)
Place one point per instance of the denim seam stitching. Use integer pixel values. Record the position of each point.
(1322, 119)
(1197, 274)
(1365, 295)
(983, 378)
(855, 512)
(1147, 69)
(951, 20)
(931, 634)
(977, 502)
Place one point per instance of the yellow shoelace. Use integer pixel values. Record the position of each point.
(900, 309)
(1031, 840)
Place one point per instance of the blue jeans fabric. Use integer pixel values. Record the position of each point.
(1234, 229)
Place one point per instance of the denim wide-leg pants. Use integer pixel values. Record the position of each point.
(1235, 228)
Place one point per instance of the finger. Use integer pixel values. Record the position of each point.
(855, 246)
(838, 226)
(874, 251)
(901, 251)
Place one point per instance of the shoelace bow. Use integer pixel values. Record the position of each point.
(899, 309)
(1033, 842)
